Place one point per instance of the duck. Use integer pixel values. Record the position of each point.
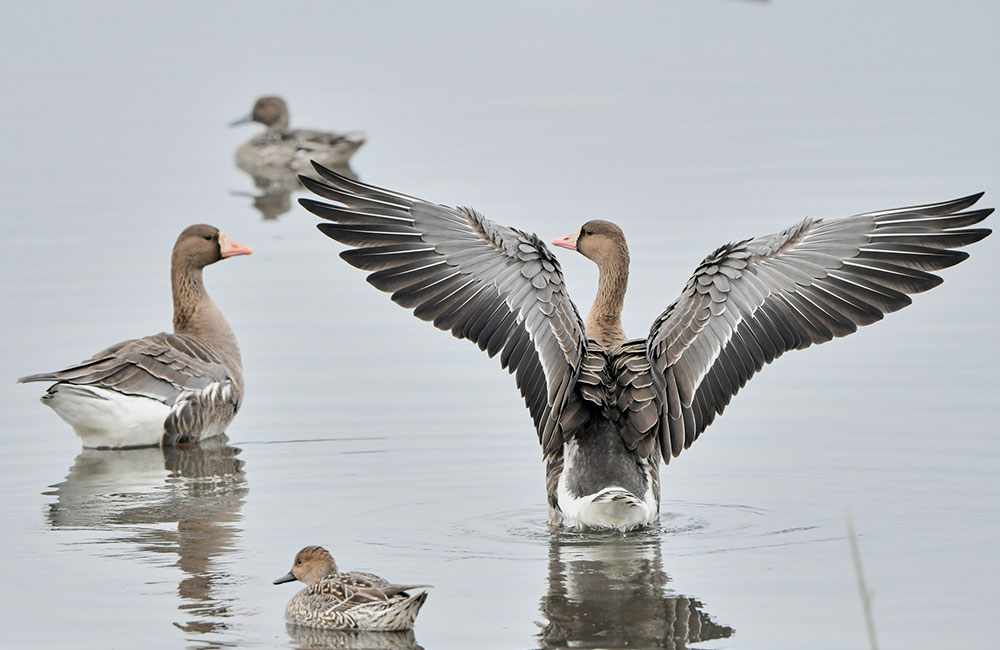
(347, 601)
(281, 149)
(168, 388)
(608, 410)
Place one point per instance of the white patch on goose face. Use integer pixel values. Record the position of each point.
(611, 507)
(106, 418)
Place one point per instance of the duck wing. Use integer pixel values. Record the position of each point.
(751, 301)
(498, 287)
(310, 140)
(359, 587)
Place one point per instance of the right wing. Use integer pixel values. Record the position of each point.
(498, 287)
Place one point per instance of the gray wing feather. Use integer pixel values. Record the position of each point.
(496, 286)
(160, 367)
(176, 369)
(751, 301)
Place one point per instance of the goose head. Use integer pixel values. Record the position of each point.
(201, 245)
(311, 564)
(603, 243)
(600, 241)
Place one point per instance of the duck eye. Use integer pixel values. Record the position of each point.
(298, 561)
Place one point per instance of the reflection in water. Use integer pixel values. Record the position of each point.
(130, 493)
(610, 592)
(307, 638)
(276, 187)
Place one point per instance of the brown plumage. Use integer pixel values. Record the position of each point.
(346, 601)
(164, 388)
(282, 149)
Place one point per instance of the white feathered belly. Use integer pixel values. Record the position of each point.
(106, 418)
(611, 507)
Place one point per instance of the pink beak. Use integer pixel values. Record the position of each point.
(229, 248)
(568, 242)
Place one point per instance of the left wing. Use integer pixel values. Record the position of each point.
(496, 286)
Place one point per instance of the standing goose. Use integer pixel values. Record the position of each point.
(606, 408)
(165, 388)
(280, 148)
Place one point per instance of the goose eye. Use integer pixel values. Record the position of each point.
(588, 232)
(207, 237)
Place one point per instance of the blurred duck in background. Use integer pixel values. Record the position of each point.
(280, 148)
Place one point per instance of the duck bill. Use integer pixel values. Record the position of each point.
(229, 248)
(568, 242)
(246, 119)
(288, 577)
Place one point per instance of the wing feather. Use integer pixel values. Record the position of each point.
(498, 287)
(751, 301)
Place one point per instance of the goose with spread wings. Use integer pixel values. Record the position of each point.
(608, 409)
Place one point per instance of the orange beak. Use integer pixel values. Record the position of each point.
(568, 242)
(229, 248)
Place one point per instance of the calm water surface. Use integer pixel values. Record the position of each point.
(410, 454)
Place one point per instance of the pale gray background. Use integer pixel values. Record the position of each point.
(689, 123)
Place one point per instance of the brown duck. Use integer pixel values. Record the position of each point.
(281, 148)
(347, 601)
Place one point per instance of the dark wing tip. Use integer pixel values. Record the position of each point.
(973, 216)
(327, 229)
(966, 201)
(326, 172)
(974, 235)
(314, 206)
(42, 376)
(320, 188)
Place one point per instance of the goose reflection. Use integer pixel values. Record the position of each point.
(307, 638)
(611, 592)
(130, 493)
(275, 187)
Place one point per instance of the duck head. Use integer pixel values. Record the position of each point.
(271, 111)
(312, 564)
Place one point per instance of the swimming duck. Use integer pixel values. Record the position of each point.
(280, 148)
(607, 409)
(165, 388)
(347, 601)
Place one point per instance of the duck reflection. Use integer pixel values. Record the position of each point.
(275, 187)
(307, 638)
(130, 493)
(610, 592)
